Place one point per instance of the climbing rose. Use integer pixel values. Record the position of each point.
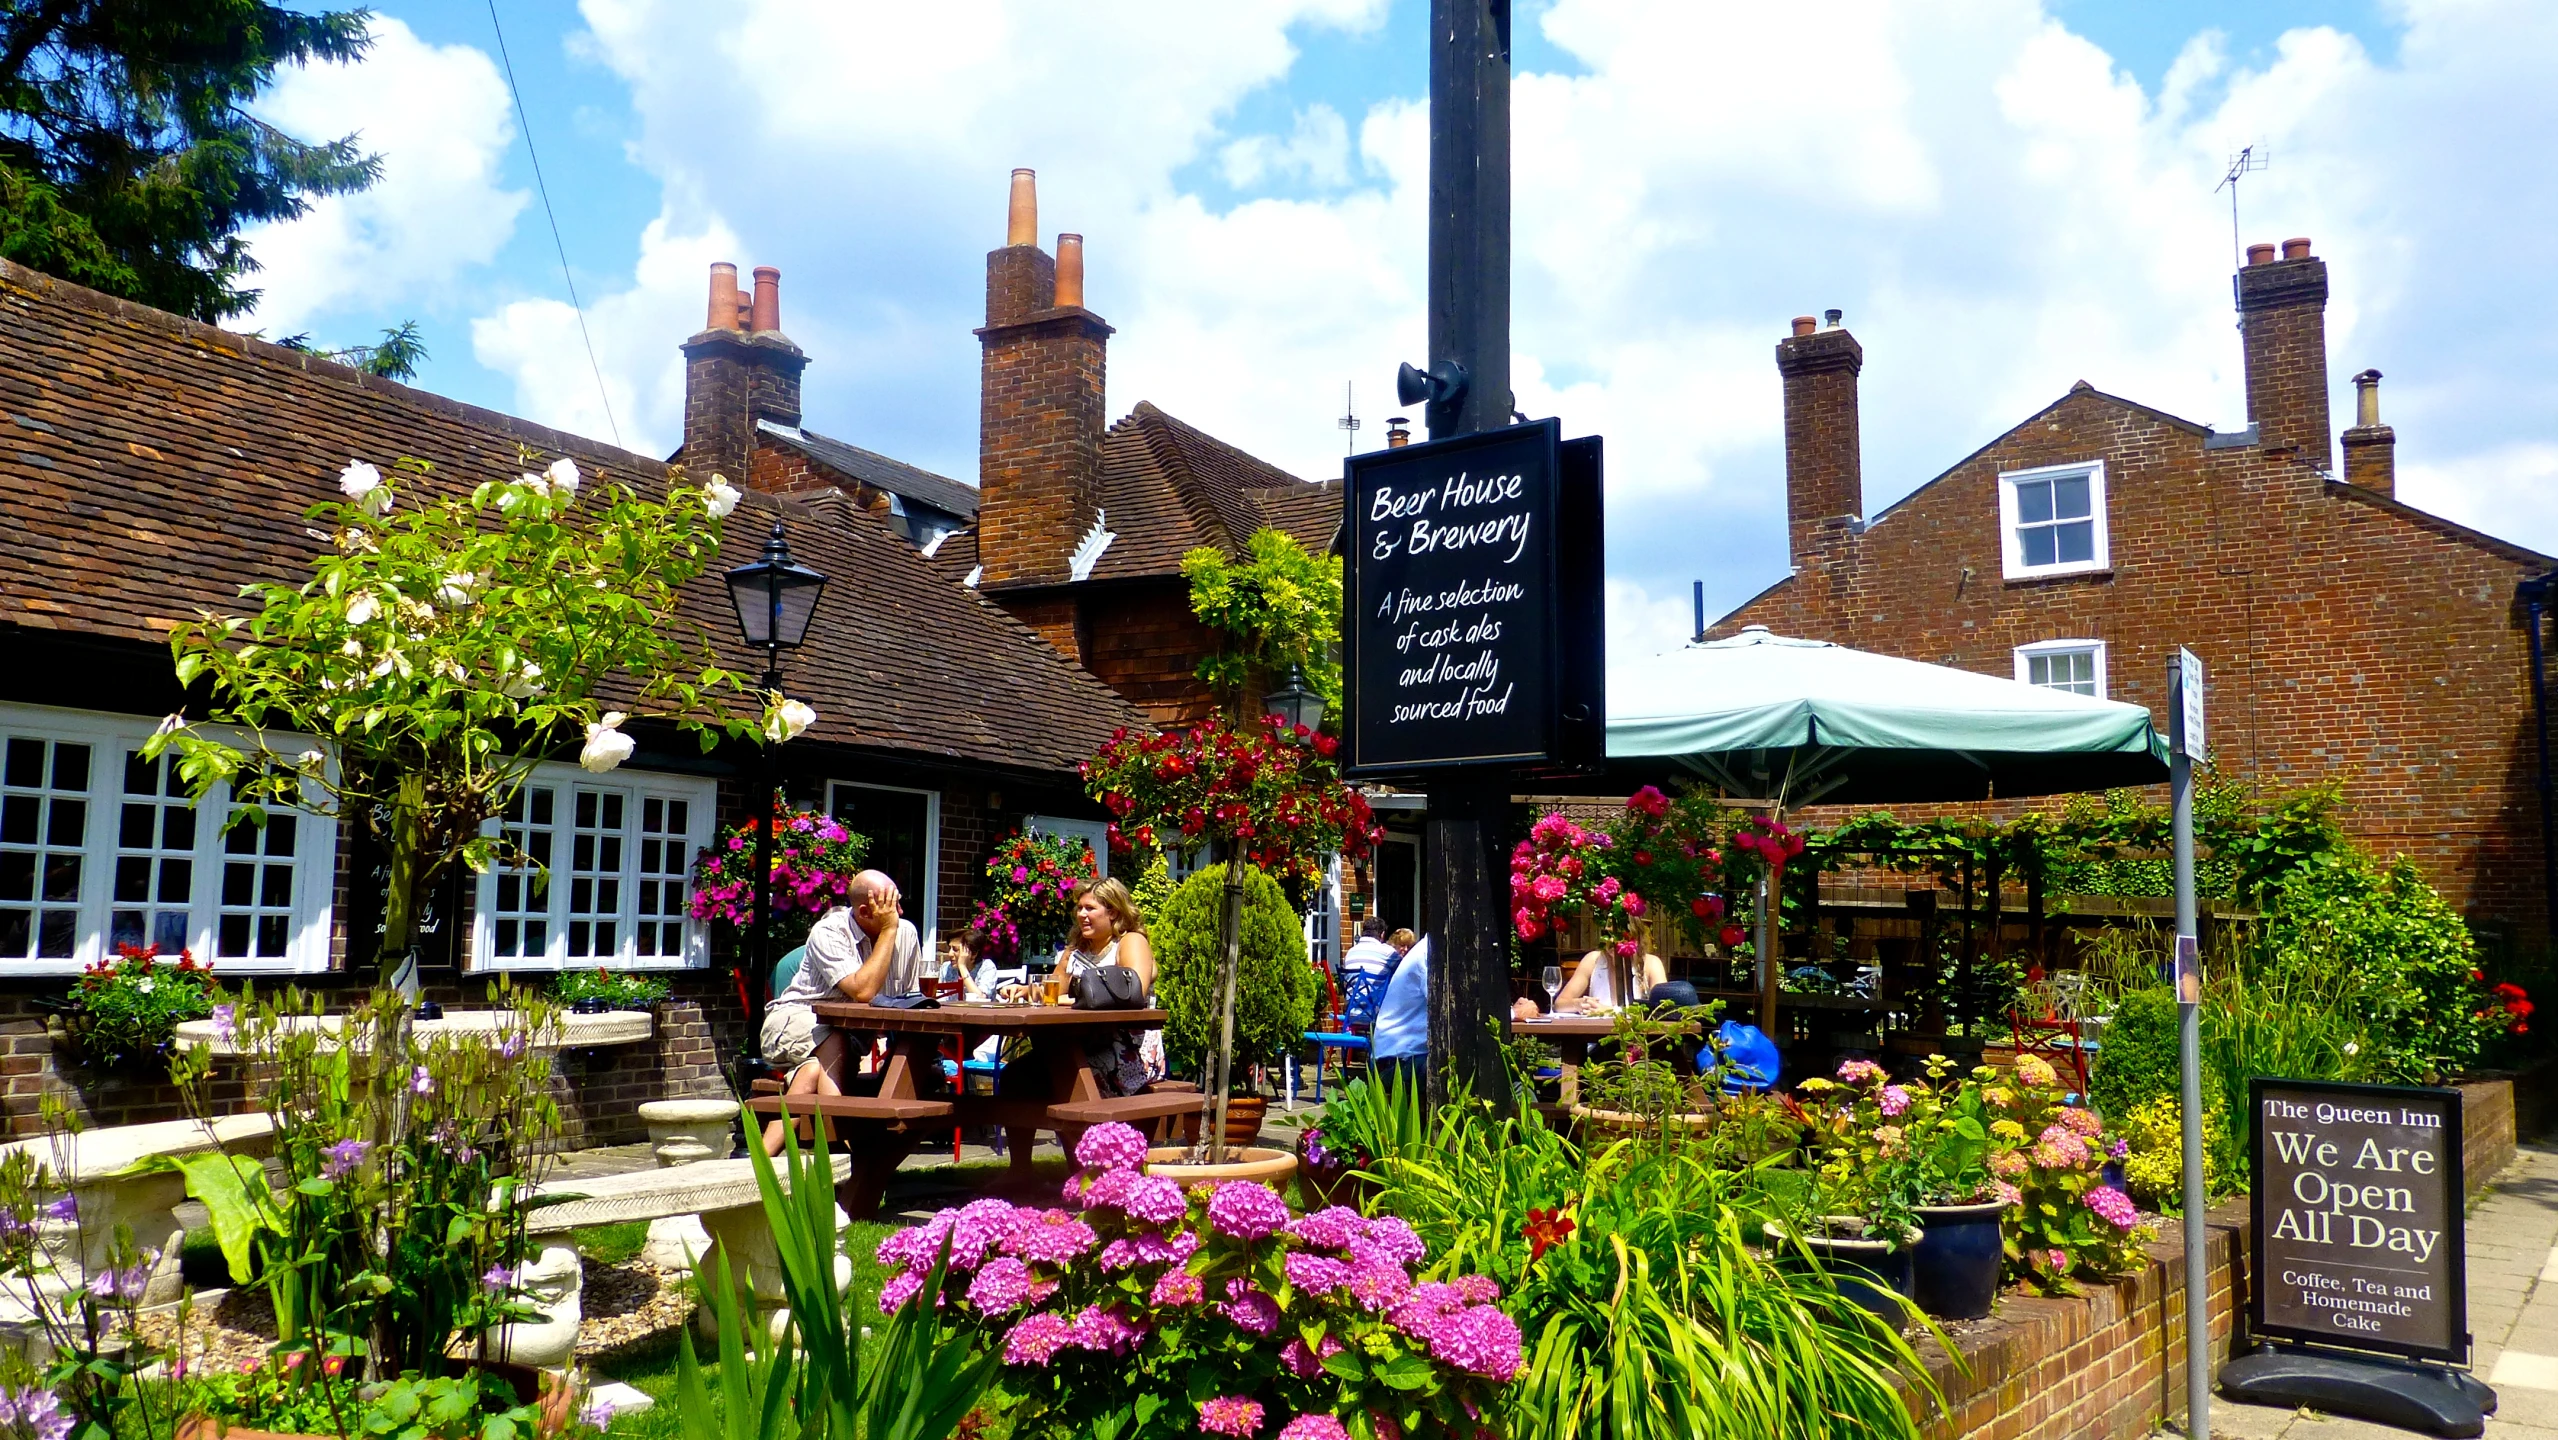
(606, 746)
(721, 497)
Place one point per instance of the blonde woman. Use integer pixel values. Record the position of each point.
(1594, 984)
(1108, 930)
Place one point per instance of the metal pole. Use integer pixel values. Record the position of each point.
(1469, 300)
(2189, 1030)
(763, 946)
(2535, 596)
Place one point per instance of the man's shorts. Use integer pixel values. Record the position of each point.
(791, 1036)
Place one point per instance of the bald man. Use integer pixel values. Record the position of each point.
(855, 952)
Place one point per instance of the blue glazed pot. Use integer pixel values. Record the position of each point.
(1873, 1275)
(1955, 1265)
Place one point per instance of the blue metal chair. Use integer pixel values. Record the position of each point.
(1358, 1016)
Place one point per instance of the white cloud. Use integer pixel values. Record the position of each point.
(1317, 151)
(439, 117)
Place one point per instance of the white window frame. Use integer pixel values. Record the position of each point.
(2011, 555)
(928, 926)
(314, 856)
(2026, 653)
(1095, 833)
(1323, 923)
(635, 787)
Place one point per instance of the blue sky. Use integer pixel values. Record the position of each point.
(2004, 195)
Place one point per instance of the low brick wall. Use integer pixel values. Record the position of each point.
(2109, 1362)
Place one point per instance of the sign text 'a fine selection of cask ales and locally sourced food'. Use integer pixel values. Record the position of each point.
(1461, 602)
(2358, 1217)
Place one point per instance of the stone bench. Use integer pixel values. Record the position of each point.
(100, 1170)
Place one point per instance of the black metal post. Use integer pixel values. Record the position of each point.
(1469, 290)
(764, 781)
(2534, 593)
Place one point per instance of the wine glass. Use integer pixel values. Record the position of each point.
(1553, 986)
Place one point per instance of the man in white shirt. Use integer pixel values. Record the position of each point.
(1370, 955)
(855, 952)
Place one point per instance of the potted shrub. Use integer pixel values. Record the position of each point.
(1644, 1091)
(1275, 987)
(1961, 1205)
(2065, 1220)
(121, 1012)
(1863, 1221)
(1030, 887)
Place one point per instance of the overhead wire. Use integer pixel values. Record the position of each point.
(542, 186)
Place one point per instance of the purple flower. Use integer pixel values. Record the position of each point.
(1419, 1313)
(512, 1047)
(1155, 1201)
(34, 1412)
(2057, 1149)
(1246, 1210)
(1230, 1415)
(1857, 1072)
(1049, 1237)
(1377, 1283)
(1313, 1427)
(2118, 1149)
(343, 1159)
(1249, 1309)
(1108, 1330)
(1176, 1287)
(1479, 1340)
(1316, 1274)
(2114, 1206)
(1111, 1146)
(1136, 1250)
(1303, 1363)
(65, 1208)
(1332, 1229)
(1893, 1100)
(422, 1083)
(1109, 1188)
(903, 1286)
(1001, 1287)
(1390, 1237)
(499, 1277)
(1478, 1289)
(1316, 1155)
(598, 1414)
(226, 1022)
(1036, 1339)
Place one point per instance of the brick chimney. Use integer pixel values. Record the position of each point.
(738, 370)
(1039, 408)
(1824, 478)
(2371, 448)
(2282, 313)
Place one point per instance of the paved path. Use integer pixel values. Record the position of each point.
(2513, 1313)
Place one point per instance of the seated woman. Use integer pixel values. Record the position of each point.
(1592, 987)
(1107, 931)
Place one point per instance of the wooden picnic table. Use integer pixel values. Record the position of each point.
(885, 1128)
(1571, 1035)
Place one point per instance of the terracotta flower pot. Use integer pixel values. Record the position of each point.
(1244, 1114)
(1271, 1167)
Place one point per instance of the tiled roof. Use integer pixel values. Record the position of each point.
(878, 471)
(1168, 488)
(151, 465)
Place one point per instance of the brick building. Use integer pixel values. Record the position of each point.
(2348, 635)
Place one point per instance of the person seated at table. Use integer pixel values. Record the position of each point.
(968, 968)
(855, 952)
(1107, 931)
(1403, 940)
(1399, 1044)
(1371, 954)
(1592, 989)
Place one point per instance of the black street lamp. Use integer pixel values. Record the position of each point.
(774, 596)
(1294, 704)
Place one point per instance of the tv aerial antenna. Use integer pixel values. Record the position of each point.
(2246, 162)
(1349, 421)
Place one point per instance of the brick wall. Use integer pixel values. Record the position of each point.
(1040, 422)
(2348, 637)
(1824, 479)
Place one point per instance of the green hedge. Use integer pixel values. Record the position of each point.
(1275, 993)
(2137, 1060)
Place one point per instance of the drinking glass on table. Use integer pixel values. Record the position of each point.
(1553, 986)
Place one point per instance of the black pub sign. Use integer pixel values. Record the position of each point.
(1473, 629)
(2358, 1218)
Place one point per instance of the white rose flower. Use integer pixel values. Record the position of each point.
(535, 483)
(458, 589)
(311, 760)
(788, 721)
(606, 745)
(564, 477)
(353, 649)
(359, 480)
(527, 685)
(171, 723)
(362, 609)
(721, 497)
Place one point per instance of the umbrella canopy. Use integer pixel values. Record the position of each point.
(1807, 722)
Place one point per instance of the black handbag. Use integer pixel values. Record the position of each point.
(1108, 987)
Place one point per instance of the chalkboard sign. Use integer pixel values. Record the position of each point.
(1472, 628)
(2358, 1218)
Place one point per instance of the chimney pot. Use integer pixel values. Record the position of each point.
(2367, 399)
(2260, 254)
(768, 300)
(1397, 433)
(1021, 226)
(1070, 270)
(1805, 324)
(723, 314)
(2296, 248)
(1831, 319)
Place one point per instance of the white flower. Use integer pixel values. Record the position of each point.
(171, 723)
(362, 609)
(458, 589)
(311, 760)
(721, 497)
(146, 985)
(526, 685)
(787, 721)
(352, 649)
(2353, 1047)
(535, 483)
(359, 480)
(564, 477)
(606, 745)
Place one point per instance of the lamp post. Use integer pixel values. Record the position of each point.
(774, 596)
(1293, 704)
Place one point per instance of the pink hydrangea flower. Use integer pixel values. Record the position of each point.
(1857, 1072)
(1049, 1237)
(1247, 1210)
(1390, 1237)
(2007, 1192)
(1249, 1309)
(1331, 1229)
(1419, 1312)
(1478, 1289)
(1154, 1200)
(1000, 1288)
(1136, 1250)
(1036, 1339)
(1108, 1330)
(2114, 1206)
(1377, 1283)
(2058, 1260)
(2008, 1164)
(1893, 1100)
(1109, 1188)
(1316, 1274)
(1303, 1363)
(2057, 1149)
(2082, 1122)
(1230, 1415)
(1313, 1427)
(1111, 1146)
(1176, 1287)
(1479, 1340)
(901, 1287)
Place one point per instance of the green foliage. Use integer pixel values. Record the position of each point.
(1278, 606)
(1153, 890)
(2054, 1154)
(2263, 1017)
(2399, 960)
(619, 989)
(1275, 987)
(129, 155)
(611, 1244)
(2154, 1171)
(395, 356)
(441, 648)
(124, 1010)
(2139, 1058)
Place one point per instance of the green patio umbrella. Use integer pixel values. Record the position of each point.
(1802, 722)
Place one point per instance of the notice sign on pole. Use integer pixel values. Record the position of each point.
(1470, 620)
(2187, 721)
(2358, 1218)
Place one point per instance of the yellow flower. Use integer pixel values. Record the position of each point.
(2007, 1130)
(2000, 1096)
